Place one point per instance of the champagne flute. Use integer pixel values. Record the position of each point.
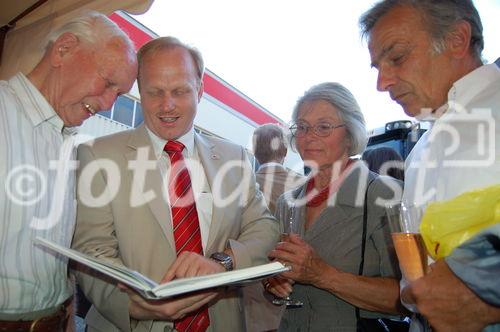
(289, 228)
(404, 220)
(410, 249)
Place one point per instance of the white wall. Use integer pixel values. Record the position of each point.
(98, 126)
(221, 120)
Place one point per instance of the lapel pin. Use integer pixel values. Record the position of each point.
(215, 156)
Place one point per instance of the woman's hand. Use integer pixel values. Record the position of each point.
(306, 265)
(370, 293)
(278, 286)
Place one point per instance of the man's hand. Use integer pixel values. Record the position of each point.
(190, 264)
(447, 303)
(170, 310)
(187, 264)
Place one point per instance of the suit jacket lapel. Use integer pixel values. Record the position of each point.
(210, 158)
(139, 139)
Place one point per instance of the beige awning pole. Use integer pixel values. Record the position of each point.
(12, 24)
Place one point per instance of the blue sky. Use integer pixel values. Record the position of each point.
(274, 50)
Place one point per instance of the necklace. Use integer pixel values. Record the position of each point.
(317, 199)
(324, 193)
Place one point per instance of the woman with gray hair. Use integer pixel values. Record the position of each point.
(325, 222)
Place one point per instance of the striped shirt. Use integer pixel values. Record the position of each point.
(37, 199)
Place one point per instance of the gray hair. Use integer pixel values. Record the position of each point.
(269, 143)
(348, 110)
(168, 43)
(91, 27)
(440, 16)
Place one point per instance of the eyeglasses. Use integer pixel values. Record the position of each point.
(321, 129)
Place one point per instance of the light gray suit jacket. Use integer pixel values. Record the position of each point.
(336, 238)
(261, 314)
(140, 237)
(274, 181)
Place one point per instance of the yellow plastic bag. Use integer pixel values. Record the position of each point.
(446, 225)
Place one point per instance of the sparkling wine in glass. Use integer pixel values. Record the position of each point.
(410, 249)
(404, 220)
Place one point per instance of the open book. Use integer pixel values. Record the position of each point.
(151, 290)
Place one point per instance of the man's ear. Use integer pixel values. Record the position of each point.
(200, 91)
(458, 40)
(64, 45)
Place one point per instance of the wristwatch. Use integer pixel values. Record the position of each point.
(223, 259)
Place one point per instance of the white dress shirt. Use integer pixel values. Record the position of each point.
(201, 189)
(461, 152)
(37, 199)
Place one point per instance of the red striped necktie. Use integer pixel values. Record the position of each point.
(186, 226)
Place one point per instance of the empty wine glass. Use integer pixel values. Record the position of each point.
(289, 227)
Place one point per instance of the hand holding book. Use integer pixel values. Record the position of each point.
(167, 309)
(188, 264)
(151, 290)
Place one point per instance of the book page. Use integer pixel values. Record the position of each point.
(235, 277)
(119, 273)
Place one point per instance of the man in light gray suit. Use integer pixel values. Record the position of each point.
(270, 148)
(136, 226)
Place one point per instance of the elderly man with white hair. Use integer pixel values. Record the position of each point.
(87, 63)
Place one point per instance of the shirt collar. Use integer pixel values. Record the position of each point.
(464, 90)
(271, 164)
(469, 86)
(34, 104)
(159, 143)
